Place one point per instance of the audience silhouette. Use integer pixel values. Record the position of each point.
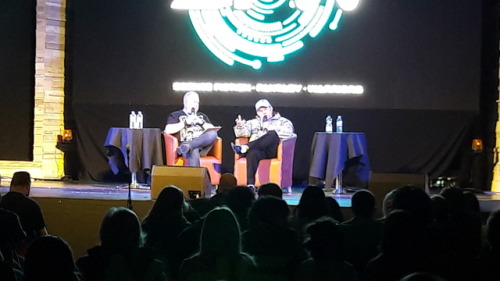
(419, 237)
(363, 233)
(49, 258)
(327, 262)
(312, 206)
(121, 255)
(270, 239)
(220, 256)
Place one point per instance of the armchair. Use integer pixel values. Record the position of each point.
(212, 161)
(278, 170)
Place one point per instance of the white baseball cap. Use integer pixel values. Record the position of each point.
(262, 103)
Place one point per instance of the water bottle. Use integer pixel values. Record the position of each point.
(140, 119)
(339, 124)
(329, 125)
(132, 120)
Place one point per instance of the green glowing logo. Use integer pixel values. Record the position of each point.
(253, 32)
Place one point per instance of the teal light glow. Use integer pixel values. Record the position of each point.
(255, 32)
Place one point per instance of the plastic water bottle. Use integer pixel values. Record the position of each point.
(140, 119)
(132, 120)
(329, 125)
(339, 124)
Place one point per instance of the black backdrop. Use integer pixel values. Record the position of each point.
(419, 62)
(17, 78)
(429, 68)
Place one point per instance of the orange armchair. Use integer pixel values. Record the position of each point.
(278, 170)
(212, 161)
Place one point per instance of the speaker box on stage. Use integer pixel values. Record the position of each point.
(194, 181)
(382, 183)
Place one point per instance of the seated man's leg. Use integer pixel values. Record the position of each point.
(193, 158)
(253, 157)
(191, 150)
(267, 143)
(204, 140)
(262, 148)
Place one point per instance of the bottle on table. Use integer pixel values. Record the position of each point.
(329, 124)
(339, 124)
(132, 120)
(140, 119)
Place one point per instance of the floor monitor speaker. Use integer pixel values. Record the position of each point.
(194, 181)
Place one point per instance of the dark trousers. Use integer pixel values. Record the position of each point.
(264, 147)
(200, 145)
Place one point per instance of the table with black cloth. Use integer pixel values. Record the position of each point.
(134, 149)
(339, 154)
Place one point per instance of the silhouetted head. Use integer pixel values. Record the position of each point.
(415, 201)
(334, 210)
(49, 258)
(402, 233)
(21, 182)
(120, 230)
(312, 203)
(239, 200)
(439, 207)
(170, 202)
(387, 203)
(270, 189)
(471, 203)
(11, 231)
(363, 204)
(455, 198)
(324, 238)
(227, 182)
(493, 230)
(220, 235)
(269, 211)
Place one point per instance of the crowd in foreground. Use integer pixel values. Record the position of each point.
(240, 235)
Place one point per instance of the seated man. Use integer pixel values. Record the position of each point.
(29, 212)
(189, 125)
(265, 132)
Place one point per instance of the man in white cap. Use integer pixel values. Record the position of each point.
(265, 132)
(189, 126)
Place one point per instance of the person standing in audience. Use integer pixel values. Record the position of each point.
(189, 126)
(28, 210)
(265, 132)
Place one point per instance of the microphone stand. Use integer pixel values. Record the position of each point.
(129, 198)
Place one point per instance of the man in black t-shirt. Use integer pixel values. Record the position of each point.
(190, 128)
(29, 212)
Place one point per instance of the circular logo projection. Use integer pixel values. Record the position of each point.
(256, 32)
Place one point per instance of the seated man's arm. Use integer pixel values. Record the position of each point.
(175, 123)
(285, 129)
(243, 131)
(174, 128)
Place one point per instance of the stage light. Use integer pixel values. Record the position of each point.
(67, 135)
(477, 145)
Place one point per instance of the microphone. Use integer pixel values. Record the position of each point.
(262, 120)
(193, 111)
